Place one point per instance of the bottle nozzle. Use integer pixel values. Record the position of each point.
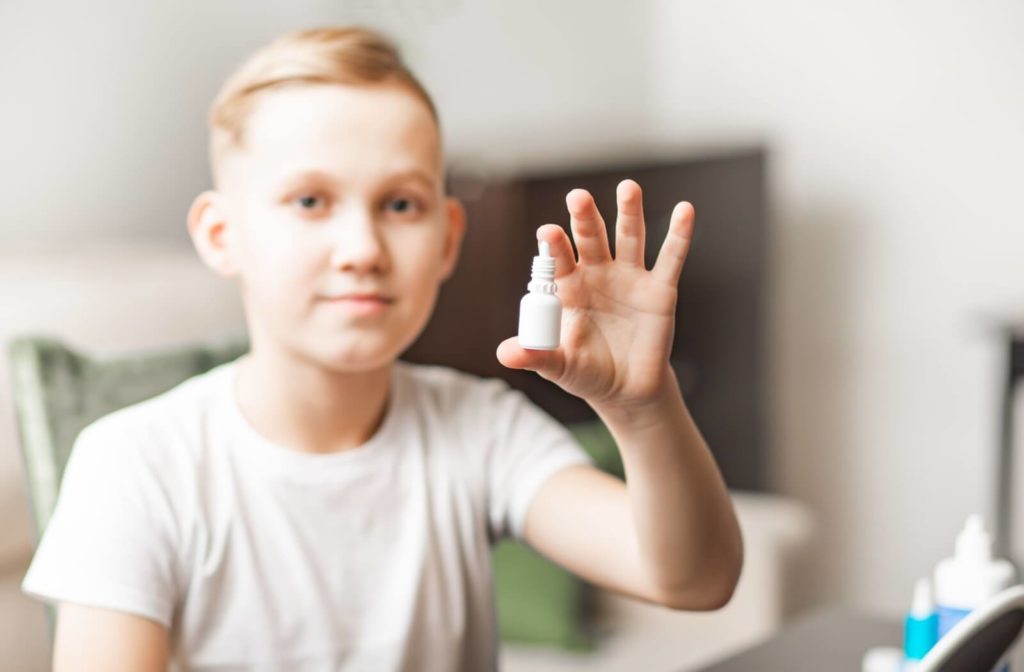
(544, 267)
(974, 544)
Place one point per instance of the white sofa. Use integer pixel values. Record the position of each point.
(114, 296)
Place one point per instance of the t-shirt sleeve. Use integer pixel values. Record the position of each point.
(110, 542)
(526, 447)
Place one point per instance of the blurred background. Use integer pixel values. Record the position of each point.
(863, 160)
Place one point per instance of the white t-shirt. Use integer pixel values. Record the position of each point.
(257, 556)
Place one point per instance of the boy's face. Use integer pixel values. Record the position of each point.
(334, 219)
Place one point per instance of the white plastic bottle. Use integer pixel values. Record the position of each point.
(540, 311)
(970, 577)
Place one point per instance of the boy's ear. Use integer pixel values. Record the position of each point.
(456, 220)
(208, 226)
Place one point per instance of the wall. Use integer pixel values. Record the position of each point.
(103, 121)
(898, 152)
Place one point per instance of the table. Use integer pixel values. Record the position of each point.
(833, 639)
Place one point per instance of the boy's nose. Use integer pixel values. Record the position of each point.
(358, 245)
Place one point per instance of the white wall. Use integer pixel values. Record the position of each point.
(897, 137)
(897, 151)
(104, 109)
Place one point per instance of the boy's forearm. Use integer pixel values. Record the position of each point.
(685, 524)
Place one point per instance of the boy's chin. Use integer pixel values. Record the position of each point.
(356, 357)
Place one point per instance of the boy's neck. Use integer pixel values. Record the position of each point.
(297, 404)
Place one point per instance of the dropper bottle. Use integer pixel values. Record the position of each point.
(540, 311)
(971, 576)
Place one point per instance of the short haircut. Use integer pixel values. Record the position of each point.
(343, 55)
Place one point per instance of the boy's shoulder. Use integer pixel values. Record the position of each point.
(173, 416)
(449, 386)
(467, 405)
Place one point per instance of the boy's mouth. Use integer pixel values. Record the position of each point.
(361, 304)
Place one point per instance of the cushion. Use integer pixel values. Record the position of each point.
(539, 603)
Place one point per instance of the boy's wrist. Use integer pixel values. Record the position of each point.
(664, 403)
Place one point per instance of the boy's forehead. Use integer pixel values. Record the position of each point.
(349, 132)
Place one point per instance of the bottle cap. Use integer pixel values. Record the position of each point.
(542, 275)
(924, 603)
(921, 629)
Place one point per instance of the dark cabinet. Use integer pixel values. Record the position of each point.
(719, 348)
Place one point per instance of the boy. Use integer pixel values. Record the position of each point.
(317, 504)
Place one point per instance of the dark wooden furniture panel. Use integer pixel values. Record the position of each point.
(719, 349)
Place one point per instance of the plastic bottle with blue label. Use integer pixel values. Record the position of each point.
(970, 577)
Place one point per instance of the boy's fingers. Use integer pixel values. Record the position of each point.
(561, 248)
(548, 363)
(629, 228)
(674, 249)
(588, 229)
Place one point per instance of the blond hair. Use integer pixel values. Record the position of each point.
(344, 55)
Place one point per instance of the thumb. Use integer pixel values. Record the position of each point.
(545, 362)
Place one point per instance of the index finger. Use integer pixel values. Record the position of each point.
(588, 228)
(561, 248)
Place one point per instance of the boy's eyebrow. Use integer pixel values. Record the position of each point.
(295, 180)
(416, 174)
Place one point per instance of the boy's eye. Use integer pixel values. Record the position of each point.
(403, 205)
(308, 202)
(311, 205)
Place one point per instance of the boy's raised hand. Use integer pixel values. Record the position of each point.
(618, 318)
(668, 532)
